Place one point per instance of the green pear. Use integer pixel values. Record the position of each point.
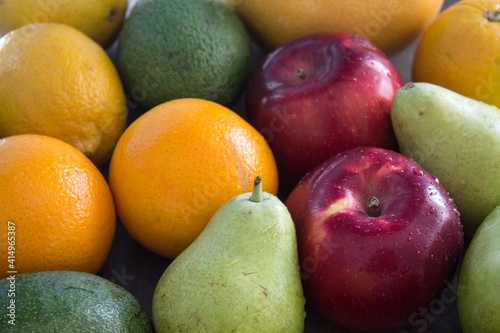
(240, 275)
(455, 138)
(478, 300)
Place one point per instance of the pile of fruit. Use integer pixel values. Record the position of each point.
(256, 166)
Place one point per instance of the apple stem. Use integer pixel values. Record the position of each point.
(492, 16)
(373, 207)
(300, 73)
(257, 190)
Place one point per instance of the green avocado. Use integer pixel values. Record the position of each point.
(66, 301)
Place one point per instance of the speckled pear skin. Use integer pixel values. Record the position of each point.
(455, 138)
(240, 275)
(478, 303)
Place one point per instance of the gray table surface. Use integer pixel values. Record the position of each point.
(138, 270)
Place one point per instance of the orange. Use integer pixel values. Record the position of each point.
(177, 164)
(461, 50)
(390, 24)
(101, 20)
(56, 81)
(56, 210)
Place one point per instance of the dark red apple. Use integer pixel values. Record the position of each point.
(320, 95)
(378, 238)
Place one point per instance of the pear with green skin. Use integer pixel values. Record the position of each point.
(478, 299)
(240, 275)
(456, 139)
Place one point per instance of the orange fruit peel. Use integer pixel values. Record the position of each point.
(177, 164)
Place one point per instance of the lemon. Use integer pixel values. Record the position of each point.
(58, 82)
(391, 25)
(99, 19)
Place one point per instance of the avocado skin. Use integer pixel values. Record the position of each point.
(67, 301)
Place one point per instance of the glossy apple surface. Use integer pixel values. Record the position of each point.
(378, 237)
(320, 95)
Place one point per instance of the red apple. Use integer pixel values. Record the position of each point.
(320, 95)
(378, 238)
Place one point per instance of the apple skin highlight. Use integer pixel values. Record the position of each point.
(320, 95)
(374, 270)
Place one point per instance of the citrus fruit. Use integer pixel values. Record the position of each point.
(460, 51)
(56, 81)
(57, 212)
(391, 25)
(101, 20)
(177, 164)
(171, 49)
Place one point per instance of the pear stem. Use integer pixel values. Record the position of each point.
(257, 190)
(408, 86)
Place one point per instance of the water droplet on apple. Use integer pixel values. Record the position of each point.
(431, 257)
(418, 172)
(418, 253)
(273, 85)
(408, 239)
(432, 210)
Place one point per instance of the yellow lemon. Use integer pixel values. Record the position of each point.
(56, 81)
(99, 19)
(389, 24)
